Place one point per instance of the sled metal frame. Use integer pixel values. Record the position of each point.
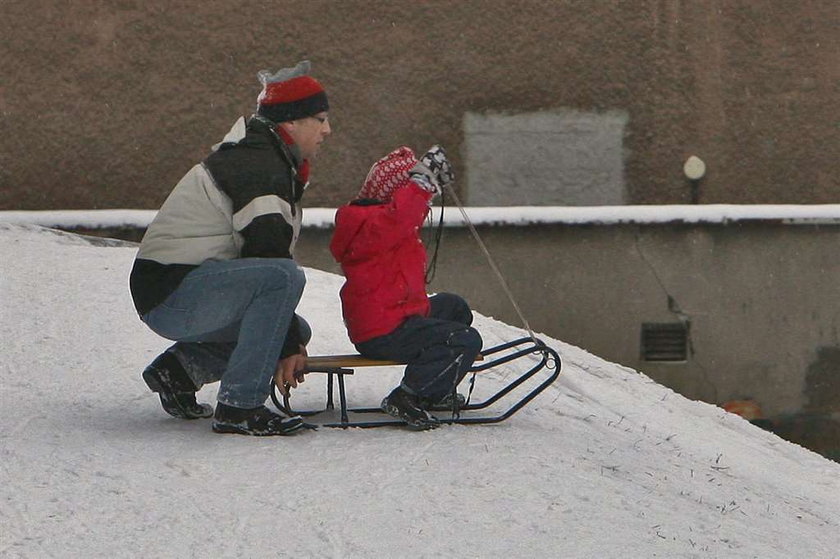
(336, 367)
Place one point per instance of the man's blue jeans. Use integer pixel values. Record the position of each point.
(438, 349)
(230, 320)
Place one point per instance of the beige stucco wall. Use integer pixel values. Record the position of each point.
(763, 299)
(107, 104)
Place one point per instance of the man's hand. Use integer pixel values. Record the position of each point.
(290, 371)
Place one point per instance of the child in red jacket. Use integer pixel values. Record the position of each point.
(386, 309)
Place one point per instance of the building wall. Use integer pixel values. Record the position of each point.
(762, 299)
(107, 104)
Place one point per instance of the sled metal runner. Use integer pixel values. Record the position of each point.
(336, 367)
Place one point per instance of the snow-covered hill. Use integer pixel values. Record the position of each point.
(605, 463)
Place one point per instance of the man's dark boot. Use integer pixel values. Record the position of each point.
(259, 421)
(167, 377)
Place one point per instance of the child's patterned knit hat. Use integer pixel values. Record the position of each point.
(388, 174)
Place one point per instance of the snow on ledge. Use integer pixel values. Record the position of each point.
(513, 215)
(87, 219)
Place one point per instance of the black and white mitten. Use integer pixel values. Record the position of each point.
(433, 171)
(435, 159)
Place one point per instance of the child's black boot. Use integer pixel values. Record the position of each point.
(446, 403)
(405, 406)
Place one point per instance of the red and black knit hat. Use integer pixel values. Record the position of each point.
(290, 94)
(388, 174)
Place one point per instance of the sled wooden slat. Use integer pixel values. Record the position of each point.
(346, 361)
(349, 361)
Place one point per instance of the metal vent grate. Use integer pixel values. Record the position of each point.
(665, 341)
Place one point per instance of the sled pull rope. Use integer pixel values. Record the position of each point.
(435, 236)
(492, 263)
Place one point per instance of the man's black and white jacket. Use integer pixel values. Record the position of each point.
(242, 201)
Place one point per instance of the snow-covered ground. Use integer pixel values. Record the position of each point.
(605, 463)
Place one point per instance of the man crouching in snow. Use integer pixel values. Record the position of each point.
(215, 270)
(386, 309)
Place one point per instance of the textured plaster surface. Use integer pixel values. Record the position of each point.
(107, 104)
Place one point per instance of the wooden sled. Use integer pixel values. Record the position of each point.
(337, 367)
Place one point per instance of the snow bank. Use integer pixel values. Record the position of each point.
(605, 463)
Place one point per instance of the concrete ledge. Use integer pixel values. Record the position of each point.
(512, 216)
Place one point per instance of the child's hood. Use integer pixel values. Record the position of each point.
(349, 220)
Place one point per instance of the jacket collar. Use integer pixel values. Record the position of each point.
(286, 146)
(283, 142)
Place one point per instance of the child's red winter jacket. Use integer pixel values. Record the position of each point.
(384, 262)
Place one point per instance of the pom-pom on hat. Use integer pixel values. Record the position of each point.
(388, 174)
(290, 94)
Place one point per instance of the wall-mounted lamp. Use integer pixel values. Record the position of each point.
(694, 169)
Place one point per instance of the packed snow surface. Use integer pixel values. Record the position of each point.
(605, 463)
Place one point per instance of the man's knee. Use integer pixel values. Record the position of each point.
(282, 273)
